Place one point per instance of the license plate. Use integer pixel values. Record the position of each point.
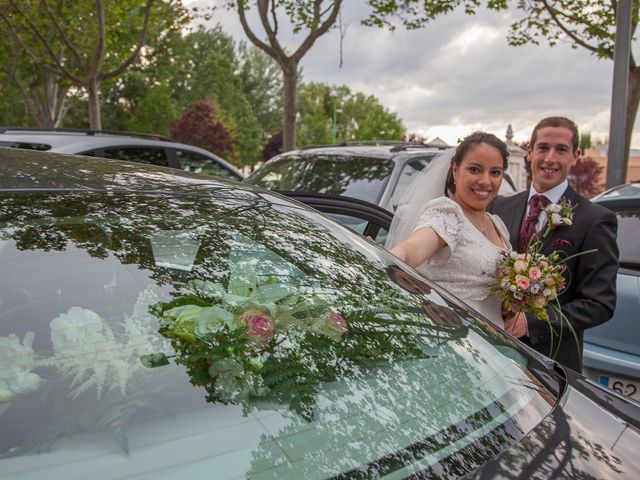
(626, 387)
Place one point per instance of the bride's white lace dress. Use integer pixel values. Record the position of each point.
(466, 267)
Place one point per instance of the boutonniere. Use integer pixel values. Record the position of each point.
(559, 215)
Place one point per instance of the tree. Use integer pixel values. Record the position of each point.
(202, 127)
(86, 41)
(260, 81)
(585, 141)
(314, 16)
(589, 25)
(414, 14)
(273, 146)
(585, 177)
(414, 137)
(43, 93)
(358, 116)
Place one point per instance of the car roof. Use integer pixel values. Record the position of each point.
(29, 170)
(77, 141)
(627, 190)
(390, 150)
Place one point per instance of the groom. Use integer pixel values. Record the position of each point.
(589, 297)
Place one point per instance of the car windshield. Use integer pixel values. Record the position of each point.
(359, 177)
(172, 336)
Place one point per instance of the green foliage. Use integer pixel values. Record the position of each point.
(585, 141)
(414, 14)
(589, 25)
(260, 81)
(67, 38)
(154, 112)
(358, 116)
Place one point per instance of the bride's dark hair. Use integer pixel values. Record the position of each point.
(467, 144)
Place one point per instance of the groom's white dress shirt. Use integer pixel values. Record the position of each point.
(554, 195)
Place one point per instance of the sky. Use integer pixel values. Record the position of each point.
(458, 74)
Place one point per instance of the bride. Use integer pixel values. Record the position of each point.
(442, 227)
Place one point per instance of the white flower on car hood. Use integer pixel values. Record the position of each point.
(17, 360)
(96, 354)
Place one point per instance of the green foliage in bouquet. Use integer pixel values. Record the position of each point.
(265, 339)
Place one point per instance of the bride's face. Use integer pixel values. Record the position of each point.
(478, 177)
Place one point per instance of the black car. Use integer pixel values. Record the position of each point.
(162, 324)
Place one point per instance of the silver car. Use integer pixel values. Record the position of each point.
(378, 173)
(134, 147)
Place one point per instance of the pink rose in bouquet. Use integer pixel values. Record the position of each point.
(528, 281)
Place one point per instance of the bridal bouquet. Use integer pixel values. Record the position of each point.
(528, 282)
(531, 282)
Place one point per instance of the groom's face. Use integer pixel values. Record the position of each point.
(552, 157)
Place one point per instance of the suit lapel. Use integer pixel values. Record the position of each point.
(572, 197)
(516, 217)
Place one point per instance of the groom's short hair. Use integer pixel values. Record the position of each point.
(556, 122)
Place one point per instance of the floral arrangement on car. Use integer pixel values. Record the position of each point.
(257, 338)
(532, 281)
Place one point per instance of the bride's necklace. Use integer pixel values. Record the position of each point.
(483, 226)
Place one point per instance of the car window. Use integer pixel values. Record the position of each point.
(628, 236)
(236, 333)
(408, 173)
(153, 156)
(358, 177)
(198, 163)
(359, 225)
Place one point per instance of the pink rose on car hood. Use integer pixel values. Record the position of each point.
(332, 324)
(259, 326)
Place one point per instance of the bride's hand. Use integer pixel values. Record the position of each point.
(516, 325)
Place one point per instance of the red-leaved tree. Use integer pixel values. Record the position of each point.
(200, 126)
(414, 137)
(585, 177)
(273, 146)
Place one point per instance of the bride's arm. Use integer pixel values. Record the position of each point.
(419, 247)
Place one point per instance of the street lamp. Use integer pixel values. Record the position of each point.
(334, 123)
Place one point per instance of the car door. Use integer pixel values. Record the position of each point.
(363, 217)
(197, 162)
(612, 350)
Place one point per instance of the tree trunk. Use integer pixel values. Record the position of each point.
(633, 99)
(289, 75)
(93, 91)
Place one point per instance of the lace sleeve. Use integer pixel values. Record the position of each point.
(446, 218)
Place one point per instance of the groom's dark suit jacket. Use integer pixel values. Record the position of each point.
(590, 295)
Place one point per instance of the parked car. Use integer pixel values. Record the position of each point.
(624, 190)
(612, 350)
(135, 147)
(376, 173)
(164, 324)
